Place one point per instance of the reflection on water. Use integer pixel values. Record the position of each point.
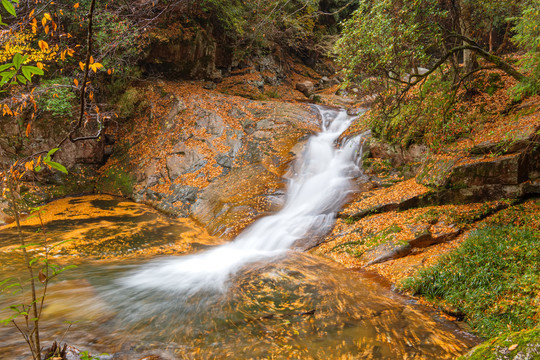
(102, 226)
(296, 306)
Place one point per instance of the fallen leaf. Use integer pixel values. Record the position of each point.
(42, 277)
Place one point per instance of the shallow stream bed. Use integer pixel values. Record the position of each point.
(292, 306)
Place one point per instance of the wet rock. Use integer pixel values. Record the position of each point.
(184, 193)
(308, 242)
(305, 87)
(242, 187)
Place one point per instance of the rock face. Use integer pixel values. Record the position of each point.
(217, 158)
(82, 159)
(188, 52)
(45, 135)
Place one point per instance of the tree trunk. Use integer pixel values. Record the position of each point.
(469, 58)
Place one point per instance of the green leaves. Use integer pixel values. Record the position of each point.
(388, 38)
(17, 60)
(28, 71)
(54, 165)
(9, 72)
(9, 7)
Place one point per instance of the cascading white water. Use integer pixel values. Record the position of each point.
(319, 181)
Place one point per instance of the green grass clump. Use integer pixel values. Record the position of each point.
(493, 279)
(518, 345)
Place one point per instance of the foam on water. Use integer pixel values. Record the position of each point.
(319, 182)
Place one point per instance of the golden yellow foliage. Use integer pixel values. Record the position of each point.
(21, 42)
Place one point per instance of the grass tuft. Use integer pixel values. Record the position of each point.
(493, 279)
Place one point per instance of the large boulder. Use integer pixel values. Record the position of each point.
(305, 87)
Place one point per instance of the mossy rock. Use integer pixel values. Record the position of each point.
(517, 345)
(435, 173)
(117, 181)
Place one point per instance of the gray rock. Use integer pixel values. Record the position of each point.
(507, 170)
(305, 87)
(190, 161)
(210, 121)
(184, 193)
(387, 251)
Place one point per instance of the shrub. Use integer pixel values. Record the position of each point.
(528, 37)
(57, 97)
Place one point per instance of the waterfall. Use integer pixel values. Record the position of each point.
(319, 182)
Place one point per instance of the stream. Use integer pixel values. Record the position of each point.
(257, 297)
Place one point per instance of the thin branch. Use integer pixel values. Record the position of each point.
(89, 42)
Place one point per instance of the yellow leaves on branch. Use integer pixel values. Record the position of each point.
(21, 42)
(43, 45)
(92, 66)
(34, 164)
(96, 66)
(34, 25)
(6, 111)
